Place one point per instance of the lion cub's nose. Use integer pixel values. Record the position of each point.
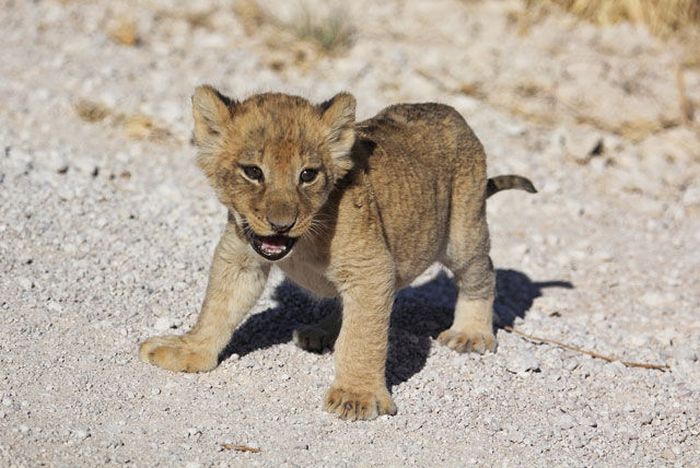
(281, 226)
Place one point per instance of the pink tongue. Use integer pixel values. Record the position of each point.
(273, 244)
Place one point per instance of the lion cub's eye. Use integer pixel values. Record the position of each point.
(308, 175)
(253, 173)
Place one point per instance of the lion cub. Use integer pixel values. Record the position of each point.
(350, 209)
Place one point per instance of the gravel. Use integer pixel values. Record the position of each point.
(106, 239)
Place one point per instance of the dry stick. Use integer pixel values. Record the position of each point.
(538, 340)
(686, 106)
(240, 448)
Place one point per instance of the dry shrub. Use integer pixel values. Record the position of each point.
(662, 17)
(328, 29)
(331, 32)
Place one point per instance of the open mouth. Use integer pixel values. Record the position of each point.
(271, 247)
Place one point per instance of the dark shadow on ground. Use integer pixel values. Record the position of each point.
(420, 314)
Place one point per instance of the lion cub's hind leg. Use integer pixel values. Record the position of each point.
(472, 329)
(467, 257)
(322, 335)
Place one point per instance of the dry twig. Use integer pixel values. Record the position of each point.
(684, 102)
(538, 340)
(240, 448)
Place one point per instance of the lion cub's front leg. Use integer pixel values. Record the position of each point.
(236, 280)
(359, 390)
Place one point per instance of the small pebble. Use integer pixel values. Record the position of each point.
(81, 434)
(165, 323)
(655, 299)
(25, 283)
(565, 421)
(521, 362)
(686, 353)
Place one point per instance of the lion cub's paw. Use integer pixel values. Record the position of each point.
(477, 342)
(175, 353)
(353, 405)
(313, 338)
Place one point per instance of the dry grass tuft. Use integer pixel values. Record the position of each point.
(329, 30)
(91, 111)
(662, 17)
(473, 89)
(137, 126)
(124, 32)
(691, 39)
(141, 127)
(251, 15)
(203, 19)
(200, 19)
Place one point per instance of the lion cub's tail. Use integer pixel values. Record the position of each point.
(506, 182)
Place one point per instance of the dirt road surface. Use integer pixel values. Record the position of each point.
(107, 230)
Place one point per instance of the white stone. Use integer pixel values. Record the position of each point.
(686, 353)
(656, 299)
(522, 362)
(164, 323)
(583, 143)
(81, 434)
(691, 196)
(25, 283)
(565, 421)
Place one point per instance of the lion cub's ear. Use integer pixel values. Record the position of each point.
(212, 112)
(338, 113)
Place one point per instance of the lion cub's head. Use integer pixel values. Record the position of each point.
(273, 159)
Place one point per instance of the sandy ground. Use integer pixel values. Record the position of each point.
(107, 229)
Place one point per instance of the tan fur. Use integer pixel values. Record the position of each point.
(394, 194)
